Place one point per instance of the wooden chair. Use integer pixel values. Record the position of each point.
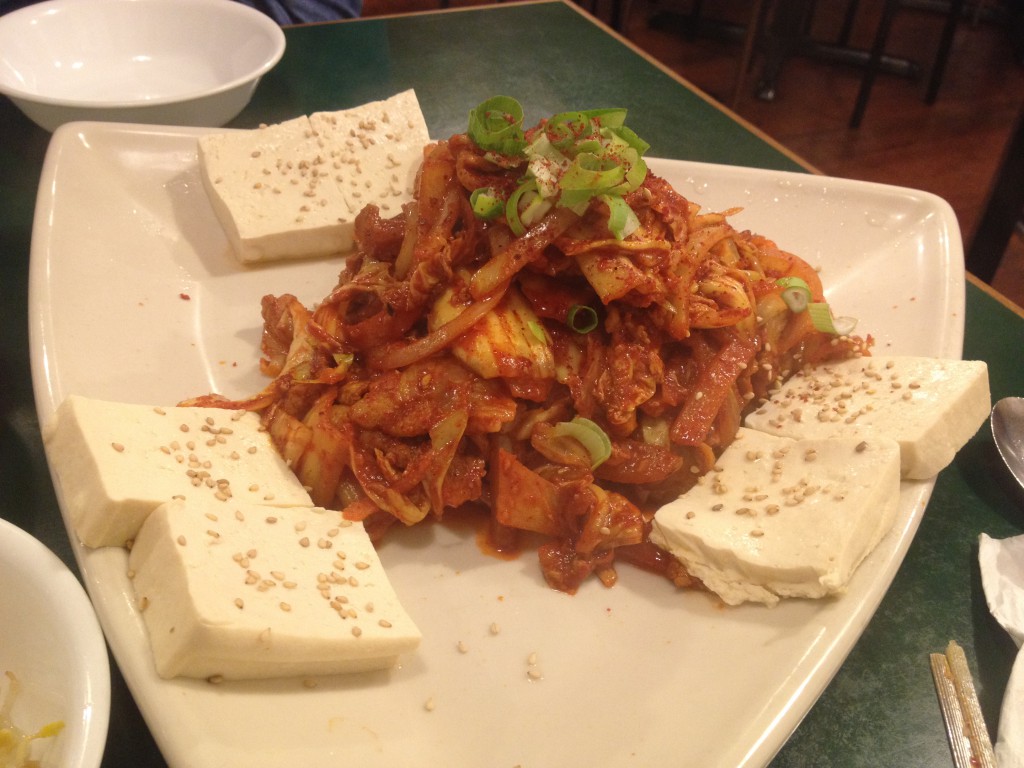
(956, 9)
(1003, 210)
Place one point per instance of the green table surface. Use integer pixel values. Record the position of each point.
(881, 708)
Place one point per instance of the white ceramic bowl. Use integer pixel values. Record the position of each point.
(166, 62)
(51, 640)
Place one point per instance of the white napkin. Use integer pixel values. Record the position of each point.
(1002, 578)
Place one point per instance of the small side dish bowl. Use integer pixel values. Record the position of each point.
(164, 62)
(51, 641)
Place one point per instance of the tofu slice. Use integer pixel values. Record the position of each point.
(784, 518)
(293, 189)
(932, 407)
(117, 462)
(243, 591)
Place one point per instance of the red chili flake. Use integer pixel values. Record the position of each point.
(184, 297)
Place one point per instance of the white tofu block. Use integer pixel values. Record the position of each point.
(117, 462)
(294, 189)
(931, 407)
(783, 518)
(243, 591)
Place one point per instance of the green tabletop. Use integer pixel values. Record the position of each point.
(881, 708)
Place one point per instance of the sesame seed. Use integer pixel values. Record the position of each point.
(495, 629)
(356, 632)
(117, 447)
(181, 540)
(239, 603)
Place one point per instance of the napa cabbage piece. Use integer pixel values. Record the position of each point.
(509, 341)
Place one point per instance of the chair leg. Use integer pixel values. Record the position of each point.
(956, 9)
(874, 61)
(1002, 211)
(848, 18)
(749, 41)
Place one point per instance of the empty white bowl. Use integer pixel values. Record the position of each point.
(51, 640)
(166, 62)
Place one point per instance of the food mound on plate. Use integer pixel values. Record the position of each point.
(548, 335)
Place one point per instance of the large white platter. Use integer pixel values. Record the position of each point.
(135, 297)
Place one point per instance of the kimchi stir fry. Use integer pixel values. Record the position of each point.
(549, 335)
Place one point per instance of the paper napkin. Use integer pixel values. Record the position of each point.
(1002, 578)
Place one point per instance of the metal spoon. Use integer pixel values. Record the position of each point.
(1008, 432)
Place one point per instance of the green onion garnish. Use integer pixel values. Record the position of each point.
(525, 207)
(622, 221)
(485, 203)
(579, 155)
(581, 318)
(795, 292)
(821, 317)
(593, 438)
(496, 125)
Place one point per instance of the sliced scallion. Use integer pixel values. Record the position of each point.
(622, 221)
(581, 318)
(795, 292)
(496, 125)
(590, 435)
(514, 203)
(486, 203)
(821, 316)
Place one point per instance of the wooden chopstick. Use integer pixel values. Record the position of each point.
(965, 725)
